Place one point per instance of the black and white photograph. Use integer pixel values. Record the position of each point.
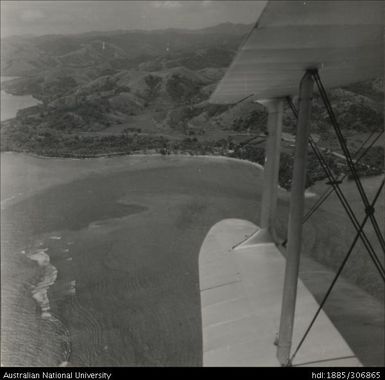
(192, 184)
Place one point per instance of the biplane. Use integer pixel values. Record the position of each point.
(255, 309)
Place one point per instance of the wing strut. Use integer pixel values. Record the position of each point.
(297, 201)
(267, 234)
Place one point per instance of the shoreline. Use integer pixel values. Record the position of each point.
(15, 193)
(27, 100)
(75, 312)
(135, 154)
(309, 192)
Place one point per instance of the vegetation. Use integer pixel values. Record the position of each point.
(182, 89)
(153, 83)
(372, 163)
(128, 99)
(139, 99)
(255, 120)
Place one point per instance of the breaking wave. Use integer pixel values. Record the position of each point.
(39, 293)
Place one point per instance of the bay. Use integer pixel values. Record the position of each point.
(10, 104)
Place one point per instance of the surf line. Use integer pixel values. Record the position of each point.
(40, 294)
(40, 290)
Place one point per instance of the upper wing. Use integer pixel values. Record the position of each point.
(344, 40)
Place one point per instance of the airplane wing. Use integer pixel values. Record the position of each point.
(241, 289)
(344, 40)
(241, 299)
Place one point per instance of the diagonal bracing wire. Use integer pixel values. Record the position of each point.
(362, 225)
(344, 201)
(357, 157)
(351, 215)
(368, 209)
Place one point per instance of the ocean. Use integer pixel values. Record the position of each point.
(100, 256)
(10, 104)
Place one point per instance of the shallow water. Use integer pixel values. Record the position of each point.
(111, 248)
(102, 270)
(10, 104)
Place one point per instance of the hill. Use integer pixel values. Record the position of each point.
(121, 49)
(124, 91)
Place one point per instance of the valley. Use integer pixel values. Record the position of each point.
(131, 92)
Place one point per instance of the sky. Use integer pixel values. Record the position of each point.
(63, 17)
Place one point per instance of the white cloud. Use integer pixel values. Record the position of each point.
(31, 15)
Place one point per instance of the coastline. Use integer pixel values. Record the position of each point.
(13, 194)
(9, 109)
(67, 258)
(309, 193)
(49, 292)
(136, 154)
